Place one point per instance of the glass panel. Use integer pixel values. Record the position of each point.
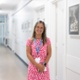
(3, 28)
(1, 34)
(2, 19)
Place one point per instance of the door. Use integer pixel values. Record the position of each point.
(60, 40)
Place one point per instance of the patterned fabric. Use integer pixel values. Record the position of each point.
(33, 73)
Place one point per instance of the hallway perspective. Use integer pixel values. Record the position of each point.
(11, 68)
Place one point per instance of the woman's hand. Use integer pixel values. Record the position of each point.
(40, 67)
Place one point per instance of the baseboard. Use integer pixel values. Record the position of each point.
(21, 60)
(9, 47)
(19, 57)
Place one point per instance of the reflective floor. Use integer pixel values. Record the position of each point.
(11, 68)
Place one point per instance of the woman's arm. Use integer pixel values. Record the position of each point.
(49, 51)
(28, 53)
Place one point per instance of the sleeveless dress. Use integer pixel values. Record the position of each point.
(33, 73)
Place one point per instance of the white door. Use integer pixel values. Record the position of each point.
(60, 39)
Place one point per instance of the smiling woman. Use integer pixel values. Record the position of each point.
(38, 51)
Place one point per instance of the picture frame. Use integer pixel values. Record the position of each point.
(74, 20)
(26, 26)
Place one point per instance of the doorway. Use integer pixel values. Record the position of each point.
(3, 28)
(1, 33)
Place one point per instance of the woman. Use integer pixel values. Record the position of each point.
(38, 51)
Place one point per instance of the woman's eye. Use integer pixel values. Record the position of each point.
(37, 26)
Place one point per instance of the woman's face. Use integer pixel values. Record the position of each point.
(39, 29)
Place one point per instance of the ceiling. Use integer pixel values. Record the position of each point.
(8, 4)
(37, 3)
(12, 4)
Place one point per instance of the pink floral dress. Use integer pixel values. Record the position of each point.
(33, 73)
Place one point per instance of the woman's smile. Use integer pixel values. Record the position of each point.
(39, 28)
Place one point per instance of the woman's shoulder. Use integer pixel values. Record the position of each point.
(48, 40)
(30, 39)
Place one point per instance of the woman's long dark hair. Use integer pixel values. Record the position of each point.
(43, 34)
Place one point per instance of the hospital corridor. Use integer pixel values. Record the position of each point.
(11, 68)
(53, 26)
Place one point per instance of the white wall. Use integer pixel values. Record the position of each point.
(10, 30)
(19, 36)
(73, 49)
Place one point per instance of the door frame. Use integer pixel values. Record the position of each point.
(54, 2)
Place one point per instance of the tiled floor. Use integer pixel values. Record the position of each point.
(11, 68)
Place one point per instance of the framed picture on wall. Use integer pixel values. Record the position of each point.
(74, 20)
